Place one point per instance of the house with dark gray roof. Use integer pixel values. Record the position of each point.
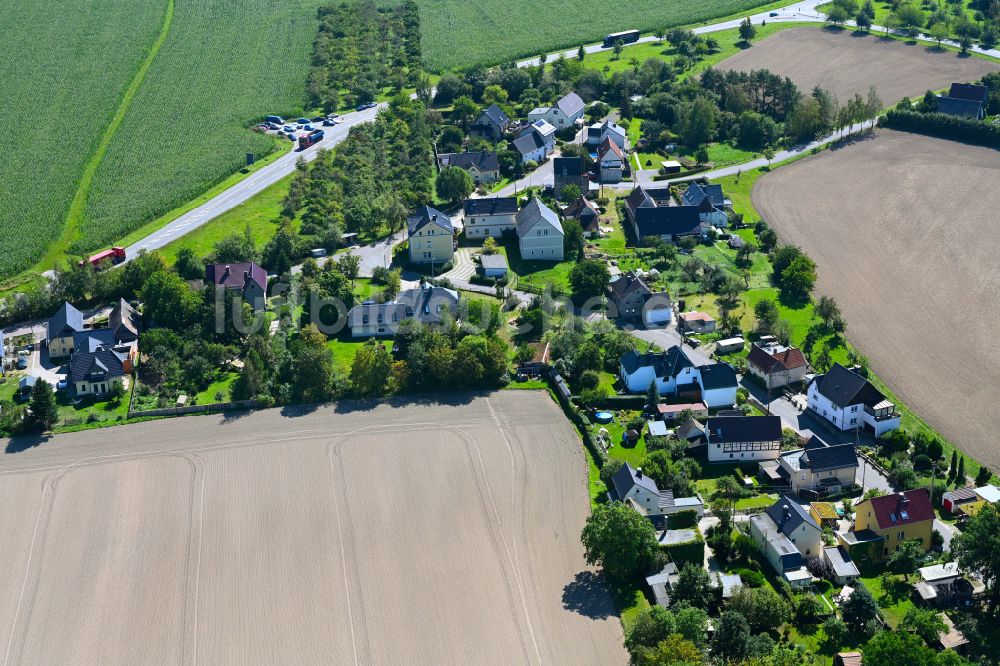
(847, 400)
(713, 206)
(562, 114)
(426, 304)
(482, 165)
(569, 171)
(491, 124)
(675, 375)
(965, 100)
(631, 486)
(819, 467)
(653, 213)
(431, 235)
(490, 217)
(539, 232)
(586, 213)
(125, 321)
(598, 133)
(60, 329)
(786, 534)
(630, 298)
(535, 142)
(743, 438)
(97, 371)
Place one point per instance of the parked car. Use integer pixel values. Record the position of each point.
(288, 129)
(62, 385)
(308, 128)
(277, 120)
(773, 14)
(302, 121)
(329, 122)
(318, 119)
(22, 363)
(273, 126)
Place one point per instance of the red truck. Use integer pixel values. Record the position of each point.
(115, 255)
(309, 139)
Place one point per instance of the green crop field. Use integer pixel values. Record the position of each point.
(457, 33)
(64, 72)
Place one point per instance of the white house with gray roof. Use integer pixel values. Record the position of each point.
(631, 486)
(847, 400)
(786, 534)
(539, 233)
(562, 114)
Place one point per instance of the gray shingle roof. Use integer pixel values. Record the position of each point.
(717, 375)
(821, 458)
(665, 364)
(963, 108)
(788, 515)
(100, 365)
(484, 160)
(970, 91)
(425, 215)
(66, 321)
(733, 429)
(844, 388)
(125, 321)
(90, 341)
(567, 166)
(491, 206)
(627, 477)
(421, 304)
(532, 213)
(495, 115)
(527, 143)
(570, 104)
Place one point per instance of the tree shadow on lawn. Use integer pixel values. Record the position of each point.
(588, 595)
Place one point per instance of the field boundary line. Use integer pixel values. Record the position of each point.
(82, 194)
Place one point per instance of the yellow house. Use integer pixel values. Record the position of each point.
(886, 522)
(432, 236)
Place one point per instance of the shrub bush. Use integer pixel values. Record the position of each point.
(943, 126)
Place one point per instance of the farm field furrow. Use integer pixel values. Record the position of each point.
(224, 63)
(845, 62)
(418, 533)
(65, 70)
(916, 280)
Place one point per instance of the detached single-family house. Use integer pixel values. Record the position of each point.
(569, 171)
(535, 142)
(610, 161)
(562, 114)
(776, 365)
(631, 486)
(98, 372)
(587, 214)
(432, 236)
(696, 322)
(125, 321)
(741, 438)
(598, 133)
(426, 304)
(539, 232)
(965, 100)
(247, 278)
(847, 400)
(482, 165)
(713, 207)
(490, 216)
(677, 376)
(786, 534)
(64, 324)
(494, 265)
(631, 298)
(882, 524)
(491, 124)
(819, 467)
(944, 586)
(653, 213)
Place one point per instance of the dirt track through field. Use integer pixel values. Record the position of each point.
(420, 534)
(904, 230)
(846, 62)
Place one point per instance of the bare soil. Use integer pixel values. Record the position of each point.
(845, 62)
(436, 533)
(903, 229)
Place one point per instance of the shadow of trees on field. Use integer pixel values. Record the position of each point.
(587, 595)
(24, 442)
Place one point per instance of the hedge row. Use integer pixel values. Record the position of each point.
(621, 402)
(581, 421)
(943, 126)
(689, 551)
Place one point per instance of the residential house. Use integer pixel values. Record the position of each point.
(653, 213)
(965, 100)
(845, 571)
(944, 586)
(249, 279)
(64, 324)
(675, 375)
(819, 467)
(881, 524)
(125, 321)
(610, 162)
(482, 165)
(696, 322)
(492, 216)
(432, 236)
(669, 413)
(692, 432)
(631, 486)
(426, 304)
(847, 400)
(97, 370)
(569, 171)
(951, 500)
(713, 207)
(632, 299)
(494, 265)
(539, 232)
(743, 438)
(776, 365)
(535, 142)
(598, 133)
(491, 124)
(562, 114)
(586, 214)
(786, 534)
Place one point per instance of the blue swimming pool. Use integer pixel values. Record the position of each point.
(604, 417)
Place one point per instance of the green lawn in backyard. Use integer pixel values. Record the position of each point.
(615, 241)
(106, 411)
(540, 273)
(223, 384)
(8, 386)
(893, 602)
(344, 350)
(260, 212)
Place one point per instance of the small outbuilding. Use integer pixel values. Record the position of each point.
(494, 265)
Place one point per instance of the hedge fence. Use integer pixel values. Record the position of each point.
(943, 126)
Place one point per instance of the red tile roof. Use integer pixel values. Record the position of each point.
(889, 509)
(788, 359)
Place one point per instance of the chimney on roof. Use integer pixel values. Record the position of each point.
(903, 498)
(638, 473)
(225, 274)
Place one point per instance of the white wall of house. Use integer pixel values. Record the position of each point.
(481, 226)
(720, 397)
(779, 378)
(542, 242)
(807, 540)
(537, 155)
(98, 388)
(644, 498)
(805, 479)
(555, 117)
(853, 416)
(716, 218)
(60, 347)
(764, 546)
(743, 451)
(638, 381)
